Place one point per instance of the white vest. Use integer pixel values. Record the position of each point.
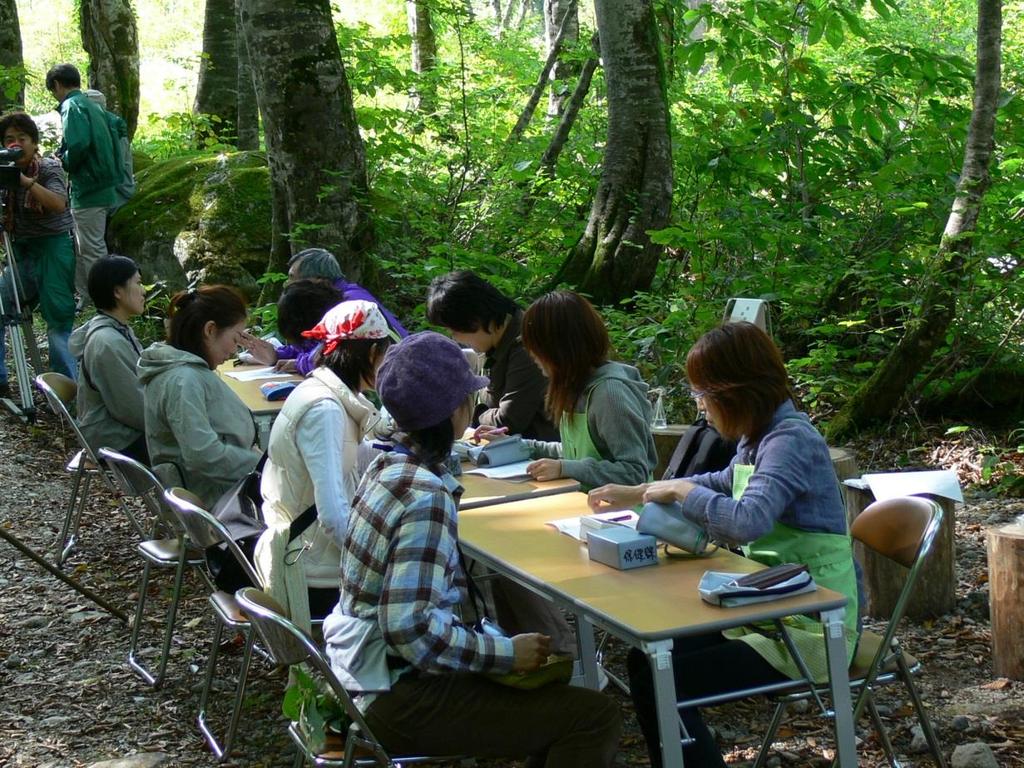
(288, 491)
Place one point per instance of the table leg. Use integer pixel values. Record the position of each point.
(839, 682)
(587, 653)
(660, 656)
(263, 424)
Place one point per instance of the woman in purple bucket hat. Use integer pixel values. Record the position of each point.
(418, 673)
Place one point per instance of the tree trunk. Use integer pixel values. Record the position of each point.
(12, 66)
(881, 394)
(524, 6)
(217, 91)
(506, 17)
(248, 110)
(424, 54)
(572, 108)
(615, 257)
(110, 37)
(555, 21)
(538, 90)
(315, 153)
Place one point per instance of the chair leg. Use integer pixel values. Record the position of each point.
(211, 664)
(300, 759)
(769, 737)
(83, 497)
(223, 752)
(63, 546)
(922, 714)
(243, 679)
(134, 662)
(882, 731)
(140, 606)
(172, 613)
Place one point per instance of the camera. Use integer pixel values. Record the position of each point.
(10, 174)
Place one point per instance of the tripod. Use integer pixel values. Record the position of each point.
(20, 331)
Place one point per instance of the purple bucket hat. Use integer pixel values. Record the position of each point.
(424, 379)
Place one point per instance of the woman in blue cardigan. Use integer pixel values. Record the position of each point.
(778, 498)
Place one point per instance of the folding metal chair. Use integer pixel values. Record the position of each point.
(754, 311)
(165, 553)
(204, 530)
(60, 393)
(288, 645)
(904, 530)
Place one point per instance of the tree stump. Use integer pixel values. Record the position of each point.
(844, 463)
(935, 591)
(1006, 580)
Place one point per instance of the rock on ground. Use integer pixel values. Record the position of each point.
(975, 755)
(143, 760)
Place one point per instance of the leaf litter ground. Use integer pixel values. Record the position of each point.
(69, 698)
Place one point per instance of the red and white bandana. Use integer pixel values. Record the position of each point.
(347, 321)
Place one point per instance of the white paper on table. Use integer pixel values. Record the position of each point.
(515, 472)
(571, 525)
(257, 374)
(890, 485)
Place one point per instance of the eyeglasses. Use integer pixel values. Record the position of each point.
(697, 395)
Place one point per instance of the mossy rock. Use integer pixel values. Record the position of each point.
(199, 216)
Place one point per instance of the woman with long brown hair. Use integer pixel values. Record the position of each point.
(600, 407)
(779, 498)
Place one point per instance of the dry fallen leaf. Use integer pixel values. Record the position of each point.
(998, 685)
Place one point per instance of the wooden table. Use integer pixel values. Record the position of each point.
(263, 411)
(646, 607)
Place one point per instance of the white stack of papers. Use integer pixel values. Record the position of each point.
(257, 374)
(572, 526)
(890, 485)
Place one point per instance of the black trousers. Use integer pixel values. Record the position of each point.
(701, 666)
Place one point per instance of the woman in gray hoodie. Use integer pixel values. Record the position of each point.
(110, 411)
(199, 433)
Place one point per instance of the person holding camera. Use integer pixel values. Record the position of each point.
(36, 216)
(91, 161)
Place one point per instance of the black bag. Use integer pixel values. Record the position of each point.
(238, 509)
(226, 571)
(700, 449)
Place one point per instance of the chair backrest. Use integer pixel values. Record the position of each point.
(60, 393)
(204, 530)
(288, 644)
(902, 529)
(136, 480)
(749, 310)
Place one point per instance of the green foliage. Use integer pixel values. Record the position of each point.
(172, 134)
(315, 710)
(816, 148)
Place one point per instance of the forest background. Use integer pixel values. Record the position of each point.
(811, 154)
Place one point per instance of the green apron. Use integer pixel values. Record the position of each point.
(575, 435)
(829, 557)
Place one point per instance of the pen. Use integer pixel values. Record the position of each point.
(619, 519)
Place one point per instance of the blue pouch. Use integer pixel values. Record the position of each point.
(278, 390)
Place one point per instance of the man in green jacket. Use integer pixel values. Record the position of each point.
(91, 163)
(125, 187)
